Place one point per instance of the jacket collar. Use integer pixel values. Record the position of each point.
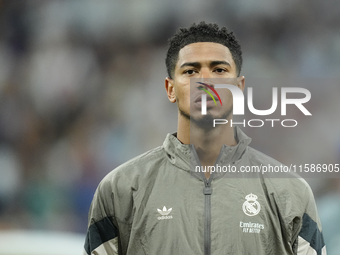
(184, 155)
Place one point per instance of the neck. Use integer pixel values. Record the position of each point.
(207, 142)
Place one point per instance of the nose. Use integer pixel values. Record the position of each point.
(205, 84)
(205, 73)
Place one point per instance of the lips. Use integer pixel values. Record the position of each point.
(199, 98)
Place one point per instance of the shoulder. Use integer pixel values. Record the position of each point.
(134, 170)
(258, 158)
(291, 192)
(115, 193)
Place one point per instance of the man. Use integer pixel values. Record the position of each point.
(156, 204)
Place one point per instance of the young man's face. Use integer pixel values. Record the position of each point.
(202, 60)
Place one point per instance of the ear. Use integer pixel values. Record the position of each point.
(170, 89)
(241, 82)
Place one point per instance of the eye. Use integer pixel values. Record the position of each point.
(220, 70)
(190, 71)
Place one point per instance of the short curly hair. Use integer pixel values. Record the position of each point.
(202, 33)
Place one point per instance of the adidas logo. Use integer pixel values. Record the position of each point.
(164, 214)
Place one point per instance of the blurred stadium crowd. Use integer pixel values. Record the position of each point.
(82, 91)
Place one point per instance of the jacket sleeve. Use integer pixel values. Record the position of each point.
(310, 239)
(102, 234)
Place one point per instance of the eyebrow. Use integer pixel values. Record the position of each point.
(194, 64)
(216, 63)
(212, 63)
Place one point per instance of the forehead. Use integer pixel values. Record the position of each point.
(204, 52)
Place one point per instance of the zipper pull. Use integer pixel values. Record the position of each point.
(207, 190)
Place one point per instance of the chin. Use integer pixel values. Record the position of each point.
(205, 122)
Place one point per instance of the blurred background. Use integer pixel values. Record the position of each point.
(82, 91)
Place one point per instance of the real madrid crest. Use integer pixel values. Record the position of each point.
(251, 207)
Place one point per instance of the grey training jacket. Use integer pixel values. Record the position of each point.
(153, 204)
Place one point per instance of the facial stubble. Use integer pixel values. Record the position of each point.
(206, 121)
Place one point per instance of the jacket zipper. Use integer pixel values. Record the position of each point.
(207, 191)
